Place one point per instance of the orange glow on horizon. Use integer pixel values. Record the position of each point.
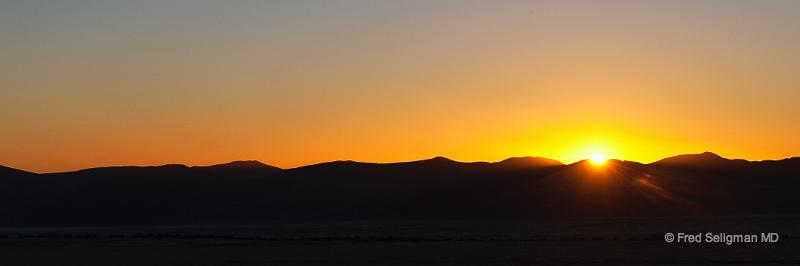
(252, 81)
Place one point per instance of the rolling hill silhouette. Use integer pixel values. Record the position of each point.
(703, 160)
(527, 162)
(250, 192)
(8, 171)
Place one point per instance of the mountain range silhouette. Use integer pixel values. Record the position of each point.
(250, 192)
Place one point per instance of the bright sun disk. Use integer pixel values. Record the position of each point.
(597, 158)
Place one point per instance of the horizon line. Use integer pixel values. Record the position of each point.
(411, 161)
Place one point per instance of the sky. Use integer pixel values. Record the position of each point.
(290, 83)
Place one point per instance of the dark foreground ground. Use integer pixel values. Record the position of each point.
(631, 241)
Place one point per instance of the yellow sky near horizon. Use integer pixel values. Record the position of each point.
(294, 83)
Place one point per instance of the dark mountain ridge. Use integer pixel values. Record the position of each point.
(250, 192)
(8, 171)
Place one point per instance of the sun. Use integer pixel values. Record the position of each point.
(597, 159)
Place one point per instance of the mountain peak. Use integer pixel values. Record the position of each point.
(709, 154)
(251, 166)
(243, 164)
(528, 161)
(435, 161)
(705, 158)
(440, 159)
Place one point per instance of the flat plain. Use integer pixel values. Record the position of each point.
(597, 241)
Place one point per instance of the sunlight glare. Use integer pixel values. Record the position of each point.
(597, 159)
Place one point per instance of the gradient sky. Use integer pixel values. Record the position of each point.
(95, 83)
